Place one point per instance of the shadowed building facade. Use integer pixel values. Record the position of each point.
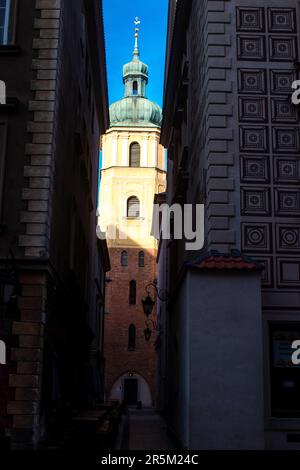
(232, 135)
(133, 170)
(52, 267)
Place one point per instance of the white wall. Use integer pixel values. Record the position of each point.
(144, 393)
(226, 408)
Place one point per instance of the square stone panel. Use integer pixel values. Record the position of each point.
(254, 168)
(281, 81)
(283, 110)
(254, 139)
(287, 202)
(282, 48)
(250, 19)
(288, 238)
(255, 201)
(288, 272)
(252, 81)
(251, 48)
(286, 140)
(256, 237)
(282, 20)
(252, 109)
(287, 170)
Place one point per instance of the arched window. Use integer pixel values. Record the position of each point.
(135, 88)
(132, 293)
(141, 259)
(131, 337)
(134, 155)
(124, 258)
(133, 207)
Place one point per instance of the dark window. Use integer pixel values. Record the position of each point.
(285, 376)
(135, 88)
(131, 337)
(141, 259)
(124, 258)
(7, 21)
(134, 155)
(132, 293)
(133, 207)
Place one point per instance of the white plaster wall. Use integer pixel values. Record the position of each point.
(144, 393)
(226, 366)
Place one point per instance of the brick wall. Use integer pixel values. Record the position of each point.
(120, 315)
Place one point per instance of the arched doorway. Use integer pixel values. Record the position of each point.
(131, 388)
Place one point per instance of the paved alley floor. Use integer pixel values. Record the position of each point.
(147, 431)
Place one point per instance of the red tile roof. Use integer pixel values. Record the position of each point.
(215, 260)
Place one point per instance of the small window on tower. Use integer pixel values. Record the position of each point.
(131, 337)
(135, 88)
(133, 207)
(124, 259)
(141, 259)
(134, 155)
(132, 293)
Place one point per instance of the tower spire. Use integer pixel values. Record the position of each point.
(136, 52)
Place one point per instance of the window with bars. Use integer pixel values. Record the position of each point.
(141, 259)
(7, 20)
(124, 259)
(132, 293)
(133, 207)
(134, 155)
(131, 337)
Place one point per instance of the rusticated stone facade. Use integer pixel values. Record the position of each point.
(232, 134)
(52, 265)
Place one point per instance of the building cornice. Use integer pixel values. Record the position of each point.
(176, 45)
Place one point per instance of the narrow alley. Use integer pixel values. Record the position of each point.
(147, 431)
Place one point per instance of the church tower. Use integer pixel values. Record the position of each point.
(133, 171)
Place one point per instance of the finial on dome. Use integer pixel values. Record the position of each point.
(136, 52)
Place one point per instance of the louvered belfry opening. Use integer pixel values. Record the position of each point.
(135, 153)
(133, 207)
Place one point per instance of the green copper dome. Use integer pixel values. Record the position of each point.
(135, 109)
(135, 67)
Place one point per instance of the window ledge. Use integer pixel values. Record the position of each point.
(134, 218)
(10, 49)
(11, 105)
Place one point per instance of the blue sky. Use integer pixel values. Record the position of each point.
(119, 37)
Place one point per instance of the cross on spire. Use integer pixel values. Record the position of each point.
(136, 52)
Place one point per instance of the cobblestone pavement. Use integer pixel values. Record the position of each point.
(147, 431)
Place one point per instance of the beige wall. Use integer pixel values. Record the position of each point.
(119, 182)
